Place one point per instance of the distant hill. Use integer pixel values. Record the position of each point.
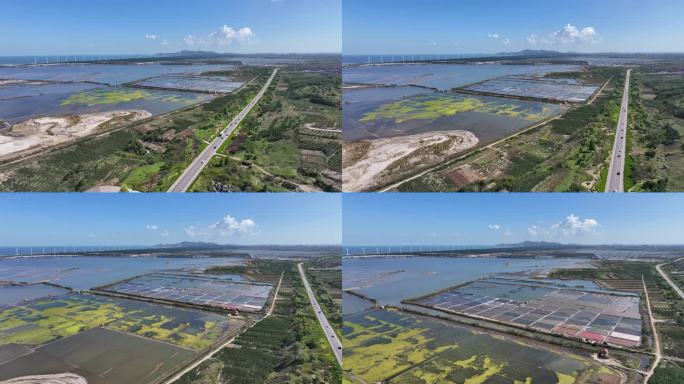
(185, 53)
(534, 244)
(190, 244)
(536, 53)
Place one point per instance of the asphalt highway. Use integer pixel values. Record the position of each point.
(333, 339)
(616, 170)
(183, 183)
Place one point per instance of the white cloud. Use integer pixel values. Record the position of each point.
(165, 233)
(151, 227)
(190, 40)
(495, 227)
(493, 35)
(151, 37)
(534, 39)
(91, 235)
(570, 226)
(190, 231)
(226, 227)
(507, 233)
(533, 230)
(569, 34)
(507, 42)
(225, 35)
(229, 226)
(573, 225)
(432, 43)
(164, 43)
(433, 235)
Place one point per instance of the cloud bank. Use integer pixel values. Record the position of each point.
(225, 35)
(570, 226)
(569, 34)
(226, 227)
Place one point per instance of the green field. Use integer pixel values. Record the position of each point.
(273, 149)
(657, 118)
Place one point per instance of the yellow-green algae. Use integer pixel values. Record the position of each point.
(405, 351)
(123, 95)
(434, 107)
(42, 321)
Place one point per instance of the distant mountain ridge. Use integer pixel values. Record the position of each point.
(535, 244)
(537, 53)
(186, 53)
(189, 244)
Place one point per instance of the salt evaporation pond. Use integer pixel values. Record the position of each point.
(112, 74)
(219, 84)
(398, 111)
(391, 280)
(85, 272)
(442, 76)
(16, 294)
(82, 88)
(80, 98)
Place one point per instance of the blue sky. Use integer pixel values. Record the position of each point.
(70, 27)
(493, 218)
(488, 26)
(141, 219)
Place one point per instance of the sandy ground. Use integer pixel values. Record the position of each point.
(363, 174)
(105, 189)
(59, 378)
(45, 132)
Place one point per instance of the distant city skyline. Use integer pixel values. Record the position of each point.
(128, 27)
(56, 219)
(493, 218)
(493, 26)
